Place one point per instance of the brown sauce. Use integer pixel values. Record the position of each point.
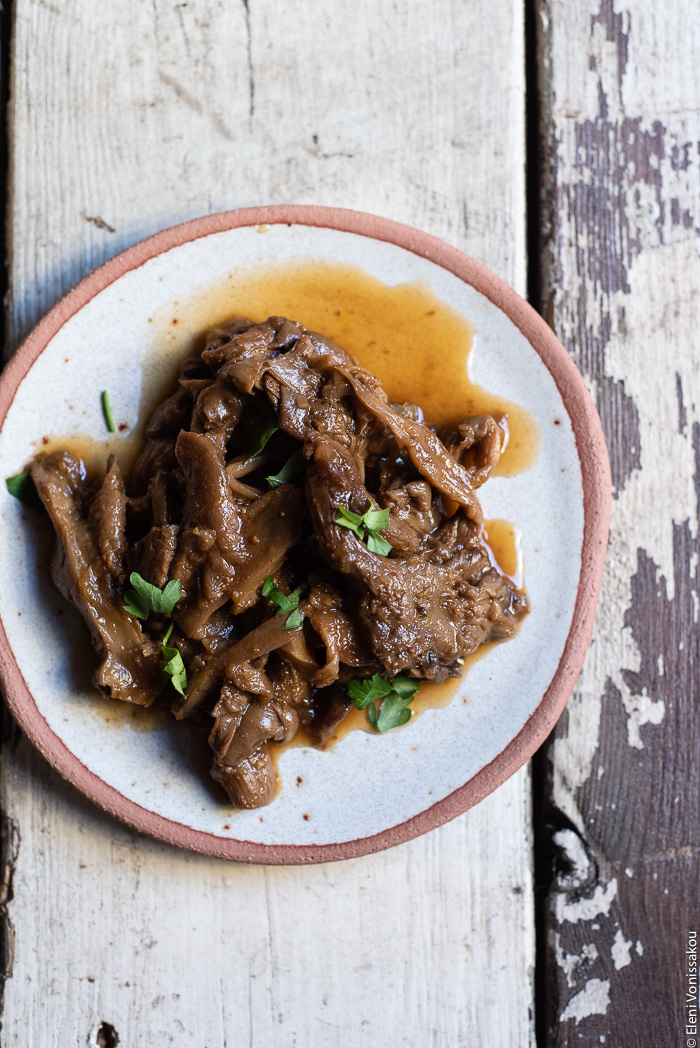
(418, 346)
(431, 696)
(503, 544)
(95, 453)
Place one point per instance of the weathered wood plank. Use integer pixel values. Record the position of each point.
(621, 83)
(130, 117)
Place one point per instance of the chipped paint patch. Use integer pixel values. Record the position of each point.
(598, 905)
(593, 999)
(574, 964)
(620, 950)
(577, 858)
(641, 709)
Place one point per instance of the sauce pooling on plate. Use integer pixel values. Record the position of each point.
(419, 347)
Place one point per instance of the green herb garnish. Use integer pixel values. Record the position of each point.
(376, 544)
(22, 487)
(145, 598)
(107, 411)
(362, 692)
(259, 437)
(288, 605)
(367, 526)
(291, 470)
(394, 697)
(173, 665)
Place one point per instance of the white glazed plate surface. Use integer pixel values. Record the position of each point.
(367, 783)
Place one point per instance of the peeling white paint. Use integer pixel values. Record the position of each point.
(629, 871)
(593, 999)
(576, 856)
(620, 950)
(570, 963)
(639, 948)
(641, 709)
(651, 321)
(598, 905)
(660, 665)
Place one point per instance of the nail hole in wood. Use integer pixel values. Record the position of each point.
(107, 1036)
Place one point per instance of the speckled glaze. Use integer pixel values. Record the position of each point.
(412, 779)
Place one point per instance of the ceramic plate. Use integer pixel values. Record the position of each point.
(101, 336)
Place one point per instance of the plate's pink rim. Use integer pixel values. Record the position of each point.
(595, 470)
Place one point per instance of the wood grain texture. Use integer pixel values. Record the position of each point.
(620, 88)
(129, 117)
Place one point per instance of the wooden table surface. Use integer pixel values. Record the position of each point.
(558, 142)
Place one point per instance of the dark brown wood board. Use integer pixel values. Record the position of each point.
(619, 93)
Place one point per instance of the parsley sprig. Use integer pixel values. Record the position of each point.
(367, 526)
(22, 487)
(394, 697)
(259, 437)
(293, 467)
(145, 598)
(291, 470)
(173, 666)
(288, 604)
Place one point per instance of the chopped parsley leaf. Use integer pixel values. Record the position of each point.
(288, 604)
(291, 470)
(173, 666)
(393, 696)
(367, 527)
(363, 692)
(259, 437)
(22, 487)
(107, 411)
(145, 598)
